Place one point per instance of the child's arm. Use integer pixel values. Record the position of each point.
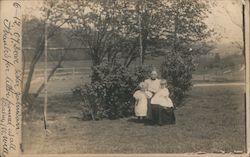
(136, 102)
(148, 94)
(136, 96)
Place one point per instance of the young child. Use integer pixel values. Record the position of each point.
(162, 106)
(162, 96)
(141, 96)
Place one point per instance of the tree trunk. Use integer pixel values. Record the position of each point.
(95, 60)
(39, 51)
(50, 75)
(131, 55)
(144, 47)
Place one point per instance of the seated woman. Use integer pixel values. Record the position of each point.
(153, 85)
(162, 106)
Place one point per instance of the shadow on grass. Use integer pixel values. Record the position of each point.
(146, 122)
(136, 120)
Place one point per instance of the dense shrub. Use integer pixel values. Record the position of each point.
(178, 72)
(109, 95)
(142, 72)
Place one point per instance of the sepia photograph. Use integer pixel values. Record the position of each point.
(133, 77)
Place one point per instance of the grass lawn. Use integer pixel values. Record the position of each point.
(211, 120)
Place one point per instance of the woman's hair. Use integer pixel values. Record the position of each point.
(154, 72)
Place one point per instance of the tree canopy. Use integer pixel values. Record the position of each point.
(112, 29)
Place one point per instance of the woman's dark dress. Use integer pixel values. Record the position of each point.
(161, 115)
(157, 114)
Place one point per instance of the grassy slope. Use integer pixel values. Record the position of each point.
(211, 120)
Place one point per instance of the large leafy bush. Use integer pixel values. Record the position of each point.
(177, 70)
(109, 95)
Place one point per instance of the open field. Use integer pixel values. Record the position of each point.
(79, 68)
(75, 73)
(212, 120)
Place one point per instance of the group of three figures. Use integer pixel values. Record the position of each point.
(153, 102)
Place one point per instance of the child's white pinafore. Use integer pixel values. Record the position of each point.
(162, 98)
(142, 102)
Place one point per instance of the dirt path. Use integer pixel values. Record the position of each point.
(219, 84)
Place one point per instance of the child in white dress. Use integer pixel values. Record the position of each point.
(162, 106)
(141, 96)
(162, 96)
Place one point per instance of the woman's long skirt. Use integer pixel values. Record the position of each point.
(162, 115)
(149, 110)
